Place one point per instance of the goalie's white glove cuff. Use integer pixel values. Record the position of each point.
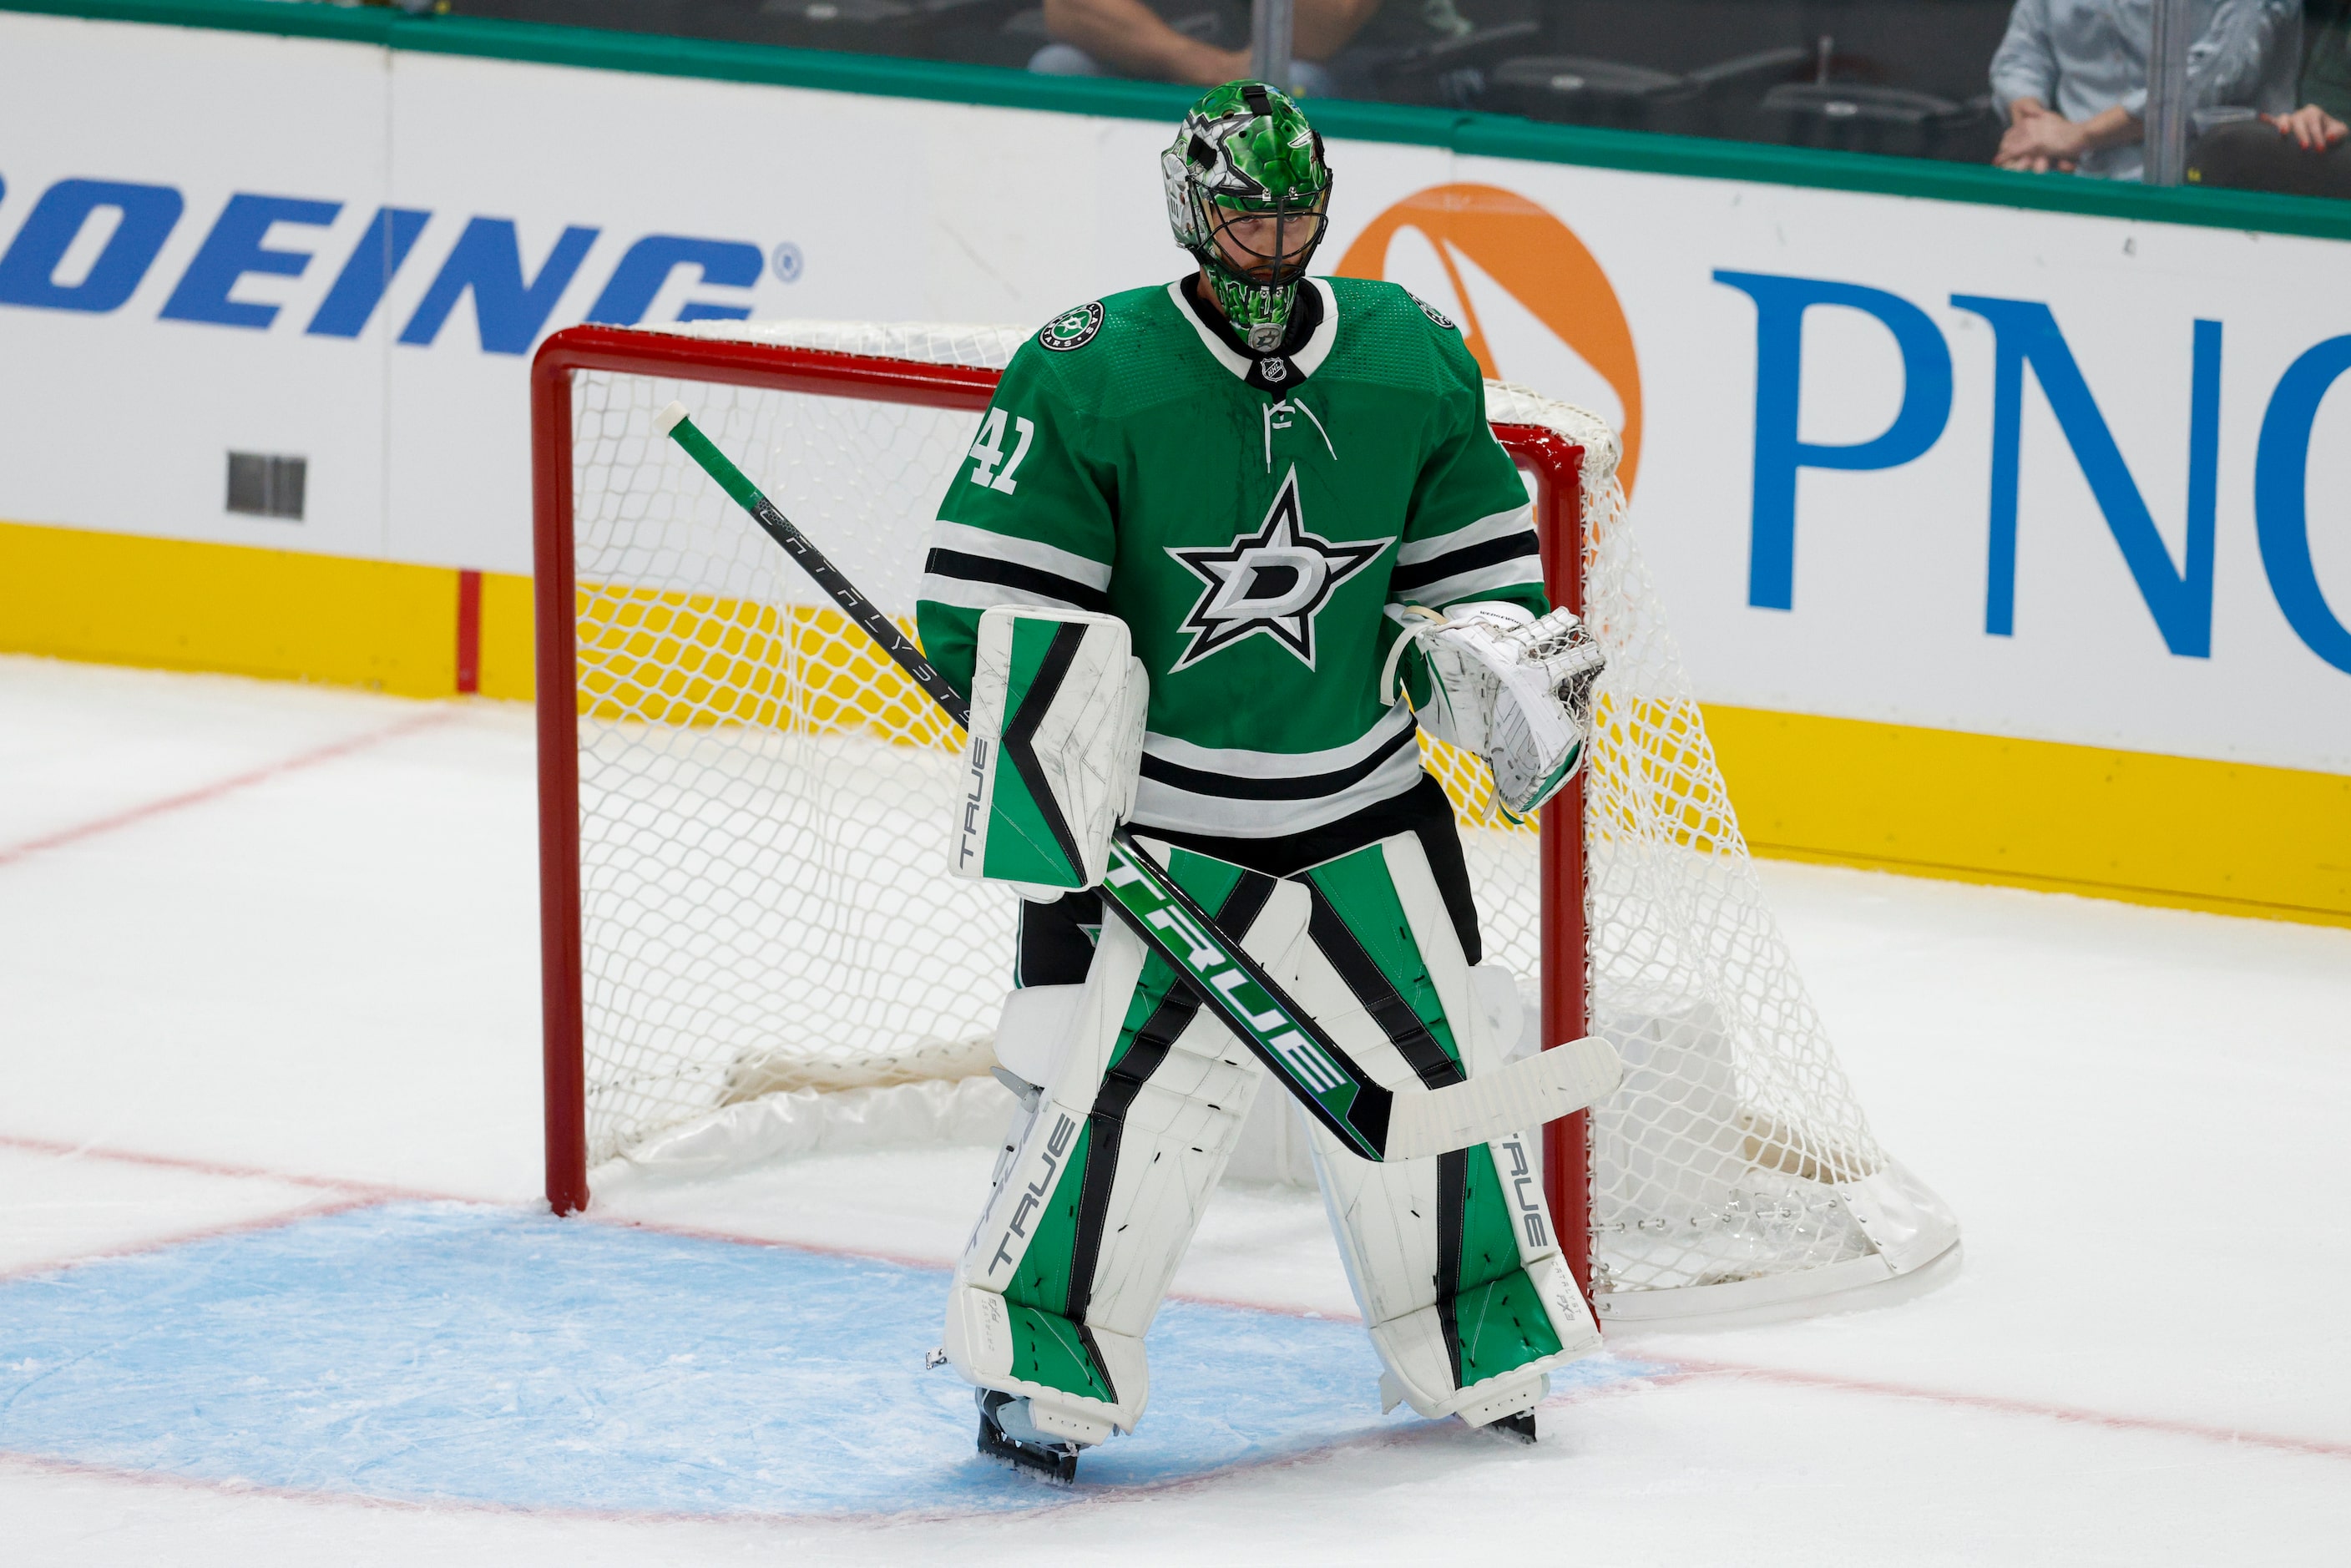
(1420, 623)
(1498, 612)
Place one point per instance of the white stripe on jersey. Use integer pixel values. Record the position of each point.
(1158, 805)
(962, 594)
(1264, 794)
(1500, 526)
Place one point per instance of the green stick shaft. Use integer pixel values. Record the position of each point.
(829, 576)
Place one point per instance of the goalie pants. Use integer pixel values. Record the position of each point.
(1452, 1260)
(1056, 939)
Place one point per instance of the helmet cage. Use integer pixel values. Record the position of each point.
(1267, 242)
(1219, 205)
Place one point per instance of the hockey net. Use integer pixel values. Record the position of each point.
(754, 949)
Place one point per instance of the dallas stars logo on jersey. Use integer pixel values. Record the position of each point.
(1275, 580)
(1072, 328)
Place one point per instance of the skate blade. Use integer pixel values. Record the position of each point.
(1057, 1469)
(1517, 1428)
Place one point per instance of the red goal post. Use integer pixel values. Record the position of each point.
(1554, 463)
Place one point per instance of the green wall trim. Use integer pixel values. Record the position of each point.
(1489, 135)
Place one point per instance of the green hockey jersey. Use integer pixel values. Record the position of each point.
(1250, 517)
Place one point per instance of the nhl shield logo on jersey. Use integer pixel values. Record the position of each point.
(1273, 368)
(1274, 581)
(1072, 328)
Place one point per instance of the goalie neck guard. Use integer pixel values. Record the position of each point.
(1247, 193)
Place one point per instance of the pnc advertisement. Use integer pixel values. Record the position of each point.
(2026, 475)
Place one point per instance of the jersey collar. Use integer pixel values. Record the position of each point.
(1277, 372)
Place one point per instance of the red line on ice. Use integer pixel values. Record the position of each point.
(275, 1220)
(2004, 1405)
(374, 1190)
(1048, 1501)
(320, 1497)
(743, 1239)
(1683, 1369)
(347, 1196)
(912, 1260)
(379, 1191)
(215, 791)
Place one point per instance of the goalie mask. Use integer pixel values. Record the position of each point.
(1247, 191)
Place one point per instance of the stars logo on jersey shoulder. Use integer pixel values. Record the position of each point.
(1274, 581)
(1072, 328)
(1431, 311)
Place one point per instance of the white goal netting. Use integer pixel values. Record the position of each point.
(767, 922)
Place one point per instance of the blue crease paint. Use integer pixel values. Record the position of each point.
(439, 1352)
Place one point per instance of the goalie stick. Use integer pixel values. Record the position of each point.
(1371, 1120)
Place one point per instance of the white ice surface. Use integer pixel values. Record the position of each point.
(332, 971)
(57, 1207)
(329, 977)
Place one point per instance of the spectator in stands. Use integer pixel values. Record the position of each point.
(1335, 43)
(2326, 57)
(2071, 77)
(2305, 153)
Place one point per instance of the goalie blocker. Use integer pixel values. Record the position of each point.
(1055, 748)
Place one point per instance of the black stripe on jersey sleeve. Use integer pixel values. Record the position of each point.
(1469, 558)
(1012, 574)
(1307, 787)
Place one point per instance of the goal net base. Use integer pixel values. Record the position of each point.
(1916, 1245)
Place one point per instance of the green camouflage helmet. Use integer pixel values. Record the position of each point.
(1243, 154)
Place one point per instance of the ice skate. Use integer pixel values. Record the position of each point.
(1520, 1428)
(1006, 1434)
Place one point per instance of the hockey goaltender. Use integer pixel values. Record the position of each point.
(1222, 547)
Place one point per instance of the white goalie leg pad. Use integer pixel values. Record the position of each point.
(1507, 1397)
(1098, 1201)
(1418, 1360)
(1515, 689)
(1452, 1259)
(1055, 748)
(985, 1342)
